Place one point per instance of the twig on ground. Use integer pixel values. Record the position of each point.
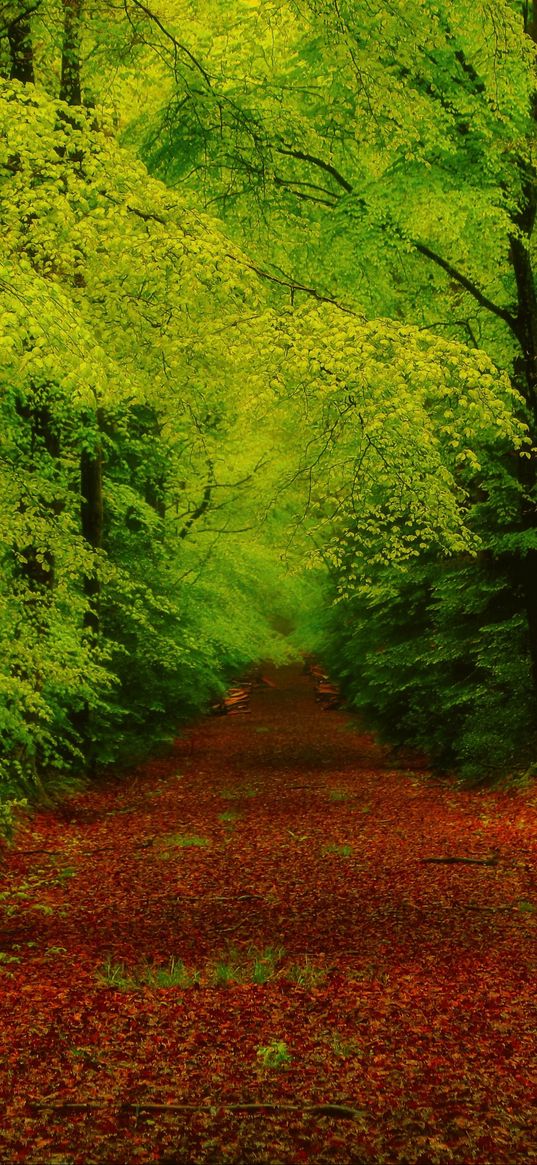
(491, 861)
(339, 1111)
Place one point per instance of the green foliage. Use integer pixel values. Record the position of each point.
(10, 808)
(115, 629)
(274, 1055)
(176, 974)
(437, 657)
(376, 167)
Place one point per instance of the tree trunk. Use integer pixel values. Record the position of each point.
(526, 367)
(154, 495)
(91, 516)
(147, 425)
(70, 84)
(92, 513)
(19, 35)
(38, 563)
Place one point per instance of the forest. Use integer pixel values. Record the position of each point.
(269, 364)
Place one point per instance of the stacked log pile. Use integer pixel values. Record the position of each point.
(327, 694)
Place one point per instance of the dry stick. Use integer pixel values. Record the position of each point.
(335, 1110)
(84, 853)
(235, 898)
(493, 861)
(24, 852)
(474, 906)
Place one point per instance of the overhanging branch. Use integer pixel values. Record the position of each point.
(177, 46)
(503, 313)
(315, 161)
(294, 286)
(481, 298)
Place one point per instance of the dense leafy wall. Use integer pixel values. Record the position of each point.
(119, 440)
(188, 423)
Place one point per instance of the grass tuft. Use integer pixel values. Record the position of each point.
(181, 841)
(343, 851)
(306, 974)
(238, 792)
(176, 974)
(274, 1055)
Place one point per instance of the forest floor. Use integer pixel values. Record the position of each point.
(238, 954)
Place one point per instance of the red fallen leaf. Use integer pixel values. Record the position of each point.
(416, 1012)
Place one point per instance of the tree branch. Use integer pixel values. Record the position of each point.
(315, 161)
(178, 47)
(21, 16)
(203, 506)
(294, 286)
(337, 1111)
(503, 313)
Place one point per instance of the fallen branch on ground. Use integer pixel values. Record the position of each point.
(491, 861)
(338, 1111)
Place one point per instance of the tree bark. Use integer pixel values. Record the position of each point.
(70, 83)
(526, 331)
(92, 515)
(19, 35)
(38, 568)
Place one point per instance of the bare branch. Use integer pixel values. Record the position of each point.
(294, 286)
(502, 312)
(315, 161)
(178, 47)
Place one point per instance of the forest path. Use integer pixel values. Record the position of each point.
(276, 845)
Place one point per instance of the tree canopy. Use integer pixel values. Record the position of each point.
(268, 346)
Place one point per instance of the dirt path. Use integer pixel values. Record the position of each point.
(264, 888)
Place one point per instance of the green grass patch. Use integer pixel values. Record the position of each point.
(255, 966)
(344, 1048)
(305, 973)
(264, 963)
(226, 972)
(63, 875)
(113, 974)
(229, 816)
(5, 958)
(238, 792)
(176, 974)
(274, 1055)
(175, 841)
(342, 851)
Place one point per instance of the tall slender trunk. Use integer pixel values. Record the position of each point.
(35, 561)
(91, 518)
(70, 83)
(154, 495)
(19, 35)
(38, 561)
(147, 424)
(526, 367)
(92, 515)
(526, 379)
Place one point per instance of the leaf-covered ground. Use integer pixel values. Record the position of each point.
(238, 954)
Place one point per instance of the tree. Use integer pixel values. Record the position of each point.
(187, 408)
(389, 151)
(117, 406)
